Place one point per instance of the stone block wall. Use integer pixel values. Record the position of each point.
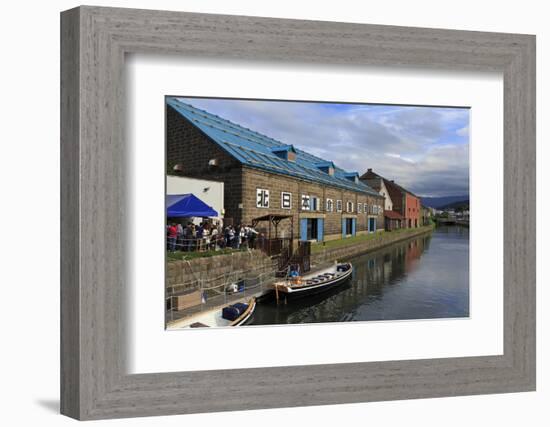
(182, 275)
(276, 184)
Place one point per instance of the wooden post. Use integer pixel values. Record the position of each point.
(269, 237)
(291, 249)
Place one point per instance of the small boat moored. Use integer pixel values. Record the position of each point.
(237, 314)
(314, 282)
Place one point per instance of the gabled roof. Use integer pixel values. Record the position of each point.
(392, 215)
(390, 185)
(258, 151)
(375, 183)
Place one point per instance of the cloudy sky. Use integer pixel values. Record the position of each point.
(425, 149)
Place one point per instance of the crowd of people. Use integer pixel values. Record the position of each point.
(209, 236)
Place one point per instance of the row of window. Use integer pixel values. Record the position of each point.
(313, 203)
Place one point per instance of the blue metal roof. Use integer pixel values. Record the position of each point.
(325, 164)
(258, 151)
(278, 149)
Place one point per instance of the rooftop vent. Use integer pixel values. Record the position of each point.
(326, 167)
(285, 152)
(352, 176)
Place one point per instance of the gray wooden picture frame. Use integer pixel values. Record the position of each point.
(94, 381)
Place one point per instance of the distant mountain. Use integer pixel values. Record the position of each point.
(440, 202)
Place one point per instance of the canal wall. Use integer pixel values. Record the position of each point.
(183, 275)
(377, 242)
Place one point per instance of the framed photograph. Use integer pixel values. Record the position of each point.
(305, 213)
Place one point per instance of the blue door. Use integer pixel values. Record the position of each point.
(372, 225)
(320, 229)
(303, 229)
(343, 228)
(353, 226)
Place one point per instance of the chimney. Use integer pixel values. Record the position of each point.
(369, 170)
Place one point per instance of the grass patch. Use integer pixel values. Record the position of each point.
(340, 243)
(180, 255)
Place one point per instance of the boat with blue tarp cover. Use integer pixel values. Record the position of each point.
(236, 314)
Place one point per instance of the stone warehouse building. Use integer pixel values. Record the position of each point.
(263, 176)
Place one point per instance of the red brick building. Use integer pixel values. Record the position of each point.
(403, 201)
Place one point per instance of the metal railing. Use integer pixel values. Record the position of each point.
(203, 294)
(208, 243)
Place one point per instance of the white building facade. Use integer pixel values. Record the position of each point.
(388, 205)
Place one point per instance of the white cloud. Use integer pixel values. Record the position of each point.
(465, 131)
(399, 156)
(424, 149)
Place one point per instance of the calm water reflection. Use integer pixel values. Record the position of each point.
(422, 278)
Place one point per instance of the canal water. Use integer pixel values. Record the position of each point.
(425, 277)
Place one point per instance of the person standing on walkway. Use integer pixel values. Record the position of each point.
(230, 237)
(179, 240)
(187, 237)
(252, 234)
(172, 236)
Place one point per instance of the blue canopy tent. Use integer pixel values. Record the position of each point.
(187, 205)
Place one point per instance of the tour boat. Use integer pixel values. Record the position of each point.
(314, 282)
(236, 314)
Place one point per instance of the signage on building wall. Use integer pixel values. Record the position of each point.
(262, 198)
(315, 204)
(306, 202)
(286, 200)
